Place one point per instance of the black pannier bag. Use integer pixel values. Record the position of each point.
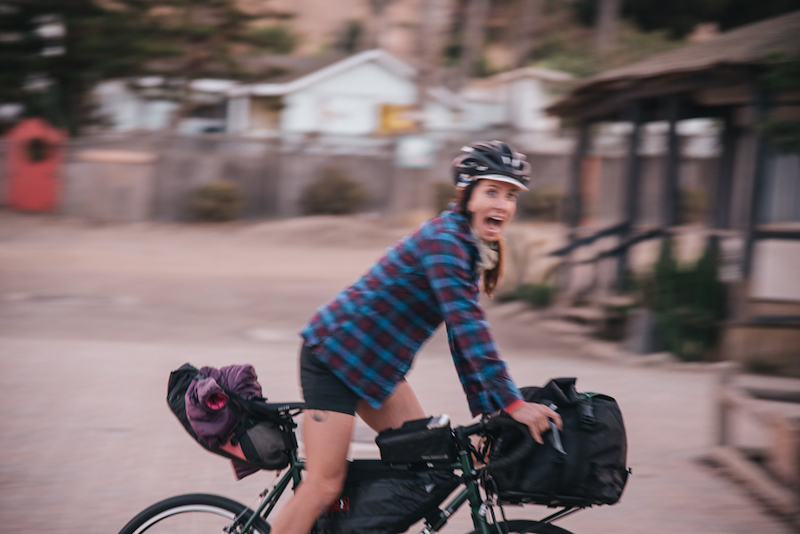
(582, 465)
(262, 440)
(381, 499)
(422, 441)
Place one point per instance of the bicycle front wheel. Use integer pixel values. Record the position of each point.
(525, 526)
(194, 514)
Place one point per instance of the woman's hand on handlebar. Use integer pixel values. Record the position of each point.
(537, 417)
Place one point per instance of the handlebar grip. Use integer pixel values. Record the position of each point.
(521, 451)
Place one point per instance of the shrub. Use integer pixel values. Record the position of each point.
(694, 204)
(542, 203)
(335, 194)
(688, 301)
(216, 201)
(538, 295)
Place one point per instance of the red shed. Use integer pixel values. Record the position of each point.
(34, 160)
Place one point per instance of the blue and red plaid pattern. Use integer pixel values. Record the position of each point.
(369, 333)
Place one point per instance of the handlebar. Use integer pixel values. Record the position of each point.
(462, 433)
(494, 423)
(521, 451)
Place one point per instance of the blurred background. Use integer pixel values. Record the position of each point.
(662, 225)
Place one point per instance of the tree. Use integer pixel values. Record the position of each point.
(472, 38)
(681, 16)
(377, 23)
(53, 75)
(781, 74)
(53, 52)
(531, 13)
(606, 25)
(435, 17)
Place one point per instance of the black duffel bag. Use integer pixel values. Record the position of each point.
(582, 465)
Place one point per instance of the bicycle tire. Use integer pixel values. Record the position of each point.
(526, 526)
(196, 513)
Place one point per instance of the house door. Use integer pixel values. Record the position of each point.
(34, 160)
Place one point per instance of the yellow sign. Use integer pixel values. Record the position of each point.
(395, 120)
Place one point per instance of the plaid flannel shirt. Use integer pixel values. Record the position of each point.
(370, 332)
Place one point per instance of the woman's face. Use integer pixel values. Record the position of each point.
(493, 205)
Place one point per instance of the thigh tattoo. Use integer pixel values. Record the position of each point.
(319, 416)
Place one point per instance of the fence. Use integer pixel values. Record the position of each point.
(150, 176)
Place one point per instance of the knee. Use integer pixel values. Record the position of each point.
(326, 488)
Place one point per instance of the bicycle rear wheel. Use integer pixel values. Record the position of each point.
(525, 526)
(194, 514)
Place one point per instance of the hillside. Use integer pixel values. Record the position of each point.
(311, 28)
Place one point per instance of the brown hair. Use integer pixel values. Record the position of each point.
(492, 276)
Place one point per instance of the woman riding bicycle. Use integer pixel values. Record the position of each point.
(358, 347)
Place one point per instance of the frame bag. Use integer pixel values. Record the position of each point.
(582, 465)
(422, 441)
(379, 499)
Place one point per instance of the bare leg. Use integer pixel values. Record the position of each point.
(400, 407)
(326, 436)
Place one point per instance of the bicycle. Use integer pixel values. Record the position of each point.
(213, 513)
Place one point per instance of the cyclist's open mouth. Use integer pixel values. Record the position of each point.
(492, 227)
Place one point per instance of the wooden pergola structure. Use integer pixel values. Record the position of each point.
(720, 78)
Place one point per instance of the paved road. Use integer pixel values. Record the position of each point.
(93, 318)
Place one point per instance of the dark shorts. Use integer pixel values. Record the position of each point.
(323, 390)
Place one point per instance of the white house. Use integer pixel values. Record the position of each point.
(514, 99)
(347, 97)
(149, 103)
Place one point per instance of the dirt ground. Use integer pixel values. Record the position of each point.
(93, 319)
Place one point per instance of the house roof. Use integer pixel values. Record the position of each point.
(301, 79)
(280, 68)
(504, 78)
(491, 89)
(546, 75)
(741, 47)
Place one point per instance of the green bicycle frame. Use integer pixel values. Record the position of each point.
(470, 493)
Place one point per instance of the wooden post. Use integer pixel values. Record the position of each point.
(721, 198)
(757, 186)
(632, 183)
(572, 213)
(573, 204)
(724, 409)
(670, 192)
